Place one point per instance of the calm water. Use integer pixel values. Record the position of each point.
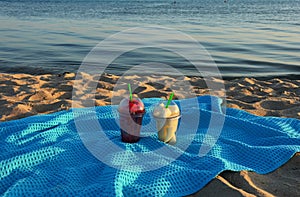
(244, 37)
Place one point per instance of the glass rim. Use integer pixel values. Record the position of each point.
(172, 117)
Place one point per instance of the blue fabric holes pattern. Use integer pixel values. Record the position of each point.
(43, 155)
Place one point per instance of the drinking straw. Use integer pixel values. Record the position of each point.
(170, 99)
(130, 93)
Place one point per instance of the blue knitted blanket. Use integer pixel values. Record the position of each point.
(79, 152)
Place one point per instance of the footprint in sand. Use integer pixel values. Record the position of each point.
(275, 105)
(139, 90)
(63, 95)
(153, 93)
(157, 86)
(7, 90)
(52, 107)
(250, 99)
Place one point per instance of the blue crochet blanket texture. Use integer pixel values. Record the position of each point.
(46, 155)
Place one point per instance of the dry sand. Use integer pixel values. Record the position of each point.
(23, 95)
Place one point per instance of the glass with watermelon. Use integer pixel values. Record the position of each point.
(131, 111)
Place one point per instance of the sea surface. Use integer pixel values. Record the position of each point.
(243, 37)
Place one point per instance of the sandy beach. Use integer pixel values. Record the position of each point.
(23, 95)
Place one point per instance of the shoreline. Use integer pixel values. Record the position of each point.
(23, 95)
(224, 77)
